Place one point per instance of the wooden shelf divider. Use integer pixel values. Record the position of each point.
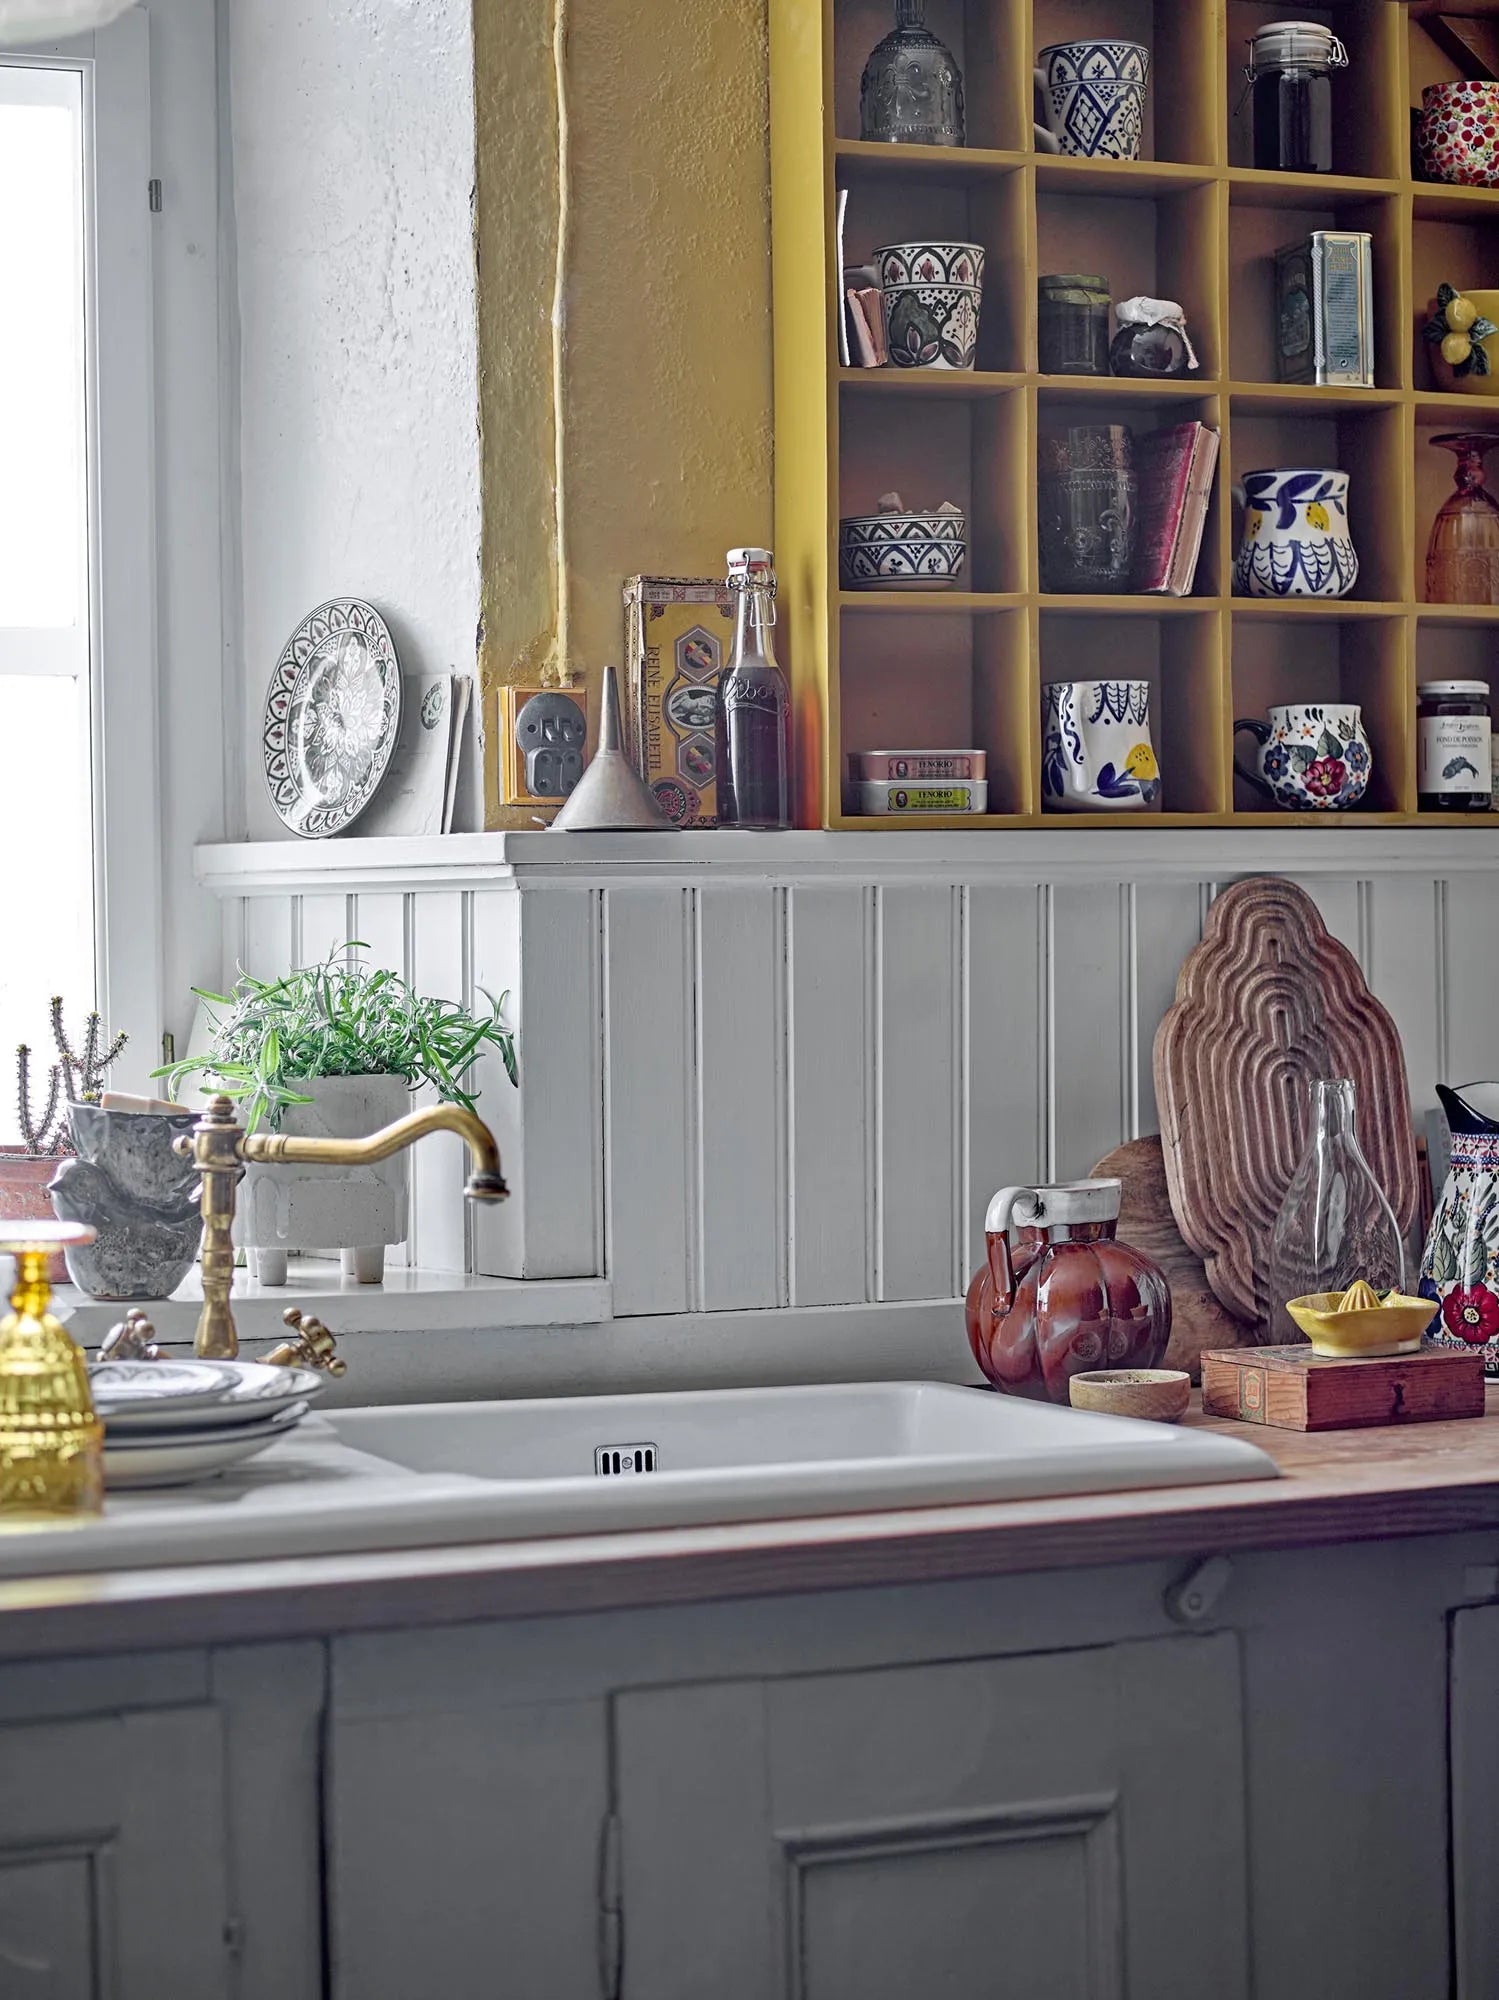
(1195, 221)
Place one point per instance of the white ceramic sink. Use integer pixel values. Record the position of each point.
(745, 1454)
(426, 1474)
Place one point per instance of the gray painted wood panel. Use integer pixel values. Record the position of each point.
(917, 1013)
(439, 1165)
(1090, 1056)
(830, 1107)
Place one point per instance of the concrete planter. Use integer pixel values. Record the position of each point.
(136, 1194)
(356, 1210)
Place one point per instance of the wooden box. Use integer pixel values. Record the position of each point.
(1293, 1389)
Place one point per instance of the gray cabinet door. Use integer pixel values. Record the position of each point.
(112, 1858)
(1475, 1801)
(1049, 1827)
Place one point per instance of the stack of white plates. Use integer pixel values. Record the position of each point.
(167, 1423)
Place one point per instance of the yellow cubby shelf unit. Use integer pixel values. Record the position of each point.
(1193, 221)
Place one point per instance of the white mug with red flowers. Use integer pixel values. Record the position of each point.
(1460, 1264)
(1313, 756)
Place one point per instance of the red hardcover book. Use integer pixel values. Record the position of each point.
(1175, 468)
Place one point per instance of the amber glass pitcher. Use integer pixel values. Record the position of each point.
(1058, 1295)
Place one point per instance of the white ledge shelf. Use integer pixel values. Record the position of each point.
(1134, 852)
(408, 1302)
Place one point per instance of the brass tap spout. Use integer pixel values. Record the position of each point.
(220, 1148)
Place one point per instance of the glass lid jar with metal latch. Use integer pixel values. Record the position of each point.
(1290, 82)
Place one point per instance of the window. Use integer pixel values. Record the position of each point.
(46, 796)
(79, 841)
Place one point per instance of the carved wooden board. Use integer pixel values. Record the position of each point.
(1198, 1319)
(1268, 1001)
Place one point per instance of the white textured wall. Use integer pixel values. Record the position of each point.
(353, 168)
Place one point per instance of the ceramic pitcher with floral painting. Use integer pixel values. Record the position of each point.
(1460, 1265)
(1057, 1294)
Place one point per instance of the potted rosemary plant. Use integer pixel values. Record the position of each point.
(334, 1050)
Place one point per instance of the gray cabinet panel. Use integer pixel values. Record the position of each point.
(963, 1829)
(112, 1858)
(1475, 1802)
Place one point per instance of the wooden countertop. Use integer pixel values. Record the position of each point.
(1342, 1486)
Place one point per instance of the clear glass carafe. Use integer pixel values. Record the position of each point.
(1462, 559)
(1335, 1223)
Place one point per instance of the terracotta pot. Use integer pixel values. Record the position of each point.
(24, 1197)
(1059, 1296)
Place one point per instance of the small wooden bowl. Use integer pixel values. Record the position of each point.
(1161, 1394)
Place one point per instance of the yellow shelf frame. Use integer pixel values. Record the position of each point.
(1378, 427)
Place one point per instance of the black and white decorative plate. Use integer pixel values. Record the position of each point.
(332, 715)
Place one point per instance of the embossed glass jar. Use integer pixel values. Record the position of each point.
(911, 92)
(1088, 495)
(1072, 323)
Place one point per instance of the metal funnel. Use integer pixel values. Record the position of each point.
(610, 796)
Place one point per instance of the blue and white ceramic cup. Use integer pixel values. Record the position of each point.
(1096, 752)
(1091, 97)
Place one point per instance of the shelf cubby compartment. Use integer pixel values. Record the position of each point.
(1060, 405)
(936, 448)
(1180, 100)
(1368, 444)
(987, 42)
(1162, 244)
(1454, 241)
(1280, 655)
(918, 675)
(1264, 218)
(1458, 643)
(1369, 126)
(990, 211)
(1177, 651)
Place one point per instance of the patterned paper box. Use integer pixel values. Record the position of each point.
(677, 636)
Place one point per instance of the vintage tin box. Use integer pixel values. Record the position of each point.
(678, 631)
(1324, 309)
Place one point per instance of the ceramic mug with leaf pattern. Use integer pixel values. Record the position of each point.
(1096, 752)
(1313, 756)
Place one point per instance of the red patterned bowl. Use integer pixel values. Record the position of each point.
(1458, 133)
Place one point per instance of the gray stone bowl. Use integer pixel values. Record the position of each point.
(129, 1186)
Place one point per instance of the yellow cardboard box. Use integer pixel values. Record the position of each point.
(678, 631)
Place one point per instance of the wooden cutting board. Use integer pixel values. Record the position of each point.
(1146, 1223)
(1268, 1001)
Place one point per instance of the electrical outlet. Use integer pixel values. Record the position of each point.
(542, 736)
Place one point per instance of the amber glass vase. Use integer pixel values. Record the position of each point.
(1462, 560)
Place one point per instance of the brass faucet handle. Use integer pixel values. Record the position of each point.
(310, 1347)
(132, 1339)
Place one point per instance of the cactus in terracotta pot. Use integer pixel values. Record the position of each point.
(42, 1114)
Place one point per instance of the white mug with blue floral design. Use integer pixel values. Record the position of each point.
(1096, 752)
(1313, 756)
(1296, 541)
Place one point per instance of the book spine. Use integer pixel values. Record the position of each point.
(1164, 475)
(859, 328)
(1194, 513)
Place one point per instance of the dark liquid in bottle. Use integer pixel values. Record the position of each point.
(1293, 121)
(754, 759)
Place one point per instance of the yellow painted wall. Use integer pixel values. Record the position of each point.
(666, 362)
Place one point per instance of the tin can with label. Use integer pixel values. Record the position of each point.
(1324, 309)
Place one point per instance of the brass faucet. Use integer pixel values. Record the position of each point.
(220, 1148)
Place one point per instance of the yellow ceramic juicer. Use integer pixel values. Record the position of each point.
(1358, 1322)
(51, 1442)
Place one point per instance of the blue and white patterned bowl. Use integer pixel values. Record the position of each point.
(902, 551)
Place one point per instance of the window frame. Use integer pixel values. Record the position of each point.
(120, 419)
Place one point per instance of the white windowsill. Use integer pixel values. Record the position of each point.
(407, 1302)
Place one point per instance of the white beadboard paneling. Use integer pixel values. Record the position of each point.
(326, 926)
(550, 1131)
(918, 1019)
(830, 1113)
(1405, 972)
(1005, 1098)
(378, 922)
(1470, 976)
(740, 943)
(1166, 924)
(439, 1164)
(1089, 1051)
(650, 1183)
(269, 936)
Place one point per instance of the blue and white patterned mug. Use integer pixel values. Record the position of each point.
(1096, 752)
(1092, 99)
(1313, 756)
(1296, 540)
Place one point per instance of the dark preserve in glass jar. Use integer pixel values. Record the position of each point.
(1073, 323)
(1291, 87)
(754, 705)
(1454, 765)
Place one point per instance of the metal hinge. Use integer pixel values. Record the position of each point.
(611, 1912)
(234, 1936)
(153, 196)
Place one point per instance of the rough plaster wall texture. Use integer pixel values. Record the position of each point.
(353, 162)
(666, 379)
